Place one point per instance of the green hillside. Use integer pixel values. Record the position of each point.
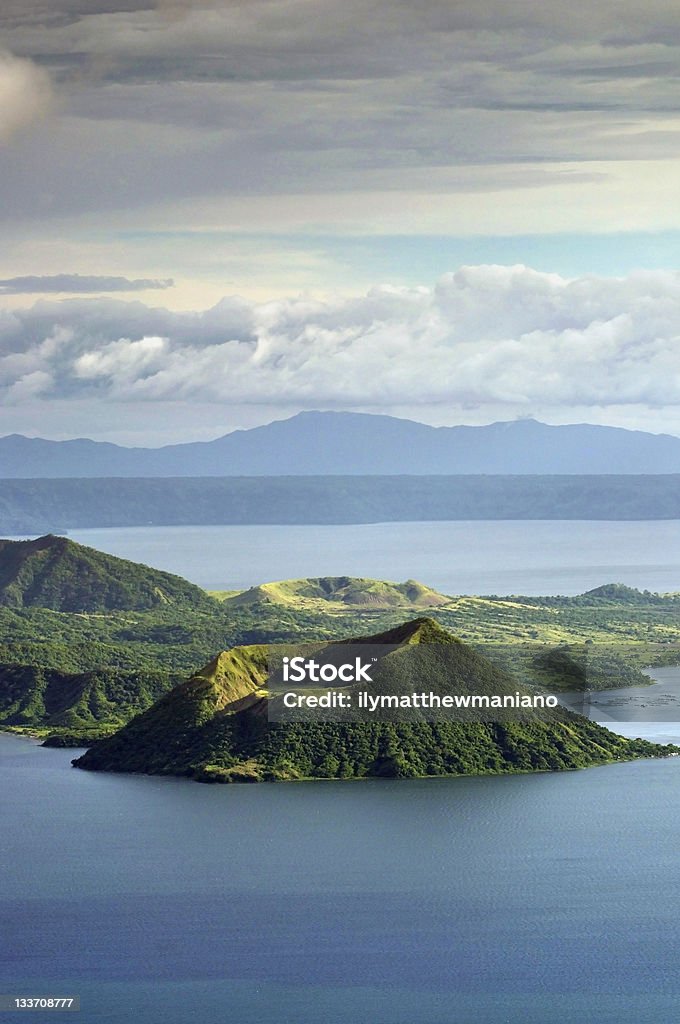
(69, 610)
(78, 704)
(56, 573)
(340, 593)
(215, 727)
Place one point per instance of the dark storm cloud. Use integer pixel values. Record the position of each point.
(78, 284)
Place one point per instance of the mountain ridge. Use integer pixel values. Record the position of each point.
(39, 506)
(363, 444)
(342, 591)
(215, 727)
(86, 673)
(57, 573)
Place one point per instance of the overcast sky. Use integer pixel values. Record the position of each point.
(214, 214)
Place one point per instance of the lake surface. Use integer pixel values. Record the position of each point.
(480, 557)
(517, 900)
(650, 712)
(537, 899)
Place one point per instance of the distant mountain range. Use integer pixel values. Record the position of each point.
(343, 443)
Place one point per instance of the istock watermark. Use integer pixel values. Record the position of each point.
(299, 669)
(366, 682)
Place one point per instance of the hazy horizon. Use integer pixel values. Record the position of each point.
(216, 214)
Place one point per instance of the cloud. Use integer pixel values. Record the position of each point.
(25, 94)
(79, 284)
(486, 335)
(28, 387)
(178, 100)
(59, 13)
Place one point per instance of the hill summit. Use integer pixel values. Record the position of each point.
(341, 592)
(216, 727)
(55, 572)
(619, 592)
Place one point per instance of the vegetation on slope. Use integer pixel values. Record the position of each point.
(54, 572)
(215, 727)
(81, 705)
(142, 624)
(331, 593)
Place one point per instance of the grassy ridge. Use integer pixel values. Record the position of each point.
(215, 728)
(69, 670)
(55, 573)
(337, 593)
(170, 641)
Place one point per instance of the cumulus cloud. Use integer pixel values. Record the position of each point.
(25, 94)
(485, 335)
(79, 284)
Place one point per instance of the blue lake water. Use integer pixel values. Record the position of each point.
(519, 900)
(480, 557)
(536, 899)
(650, 712)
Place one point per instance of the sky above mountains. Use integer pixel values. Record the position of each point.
(456, 212)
